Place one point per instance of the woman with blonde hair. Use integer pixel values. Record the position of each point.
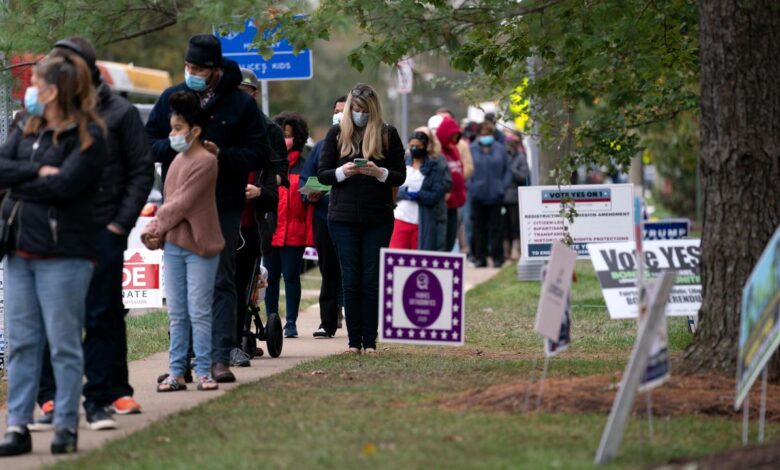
(363, 159)
(51, 166)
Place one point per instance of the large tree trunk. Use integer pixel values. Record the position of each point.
(740, 163)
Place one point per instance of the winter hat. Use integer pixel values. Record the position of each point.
(204, 50)
(434, 122)
(249, 78)
(85, 50)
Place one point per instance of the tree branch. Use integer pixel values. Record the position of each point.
(165, 24)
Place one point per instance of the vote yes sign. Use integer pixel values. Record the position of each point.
(141, 279)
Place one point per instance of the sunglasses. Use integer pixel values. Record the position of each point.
(358, 92)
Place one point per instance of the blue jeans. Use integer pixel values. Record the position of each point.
(284, 261)
(357, 246)
(223, 331)
(189, 287)
(45, 300)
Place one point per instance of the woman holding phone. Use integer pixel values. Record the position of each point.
(363, 159)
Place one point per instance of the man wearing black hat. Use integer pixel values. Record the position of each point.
(125, 183)
(237, 136)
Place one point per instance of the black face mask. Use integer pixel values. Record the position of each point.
(418, 153)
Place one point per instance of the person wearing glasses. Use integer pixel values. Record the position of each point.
(363, 160)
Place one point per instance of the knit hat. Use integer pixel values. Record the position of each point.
(249, 78)
(204, 50)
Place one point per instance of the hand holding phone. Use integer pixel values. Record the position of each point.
(360, 162)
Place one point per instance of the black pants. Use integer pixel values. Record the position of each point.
(453, 223)
(223, 325)
(105, 342)
(487, 230)
(328, 263)
(246, 260)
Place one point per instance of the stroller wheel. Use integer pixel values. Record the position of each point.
(249, 345)
(273, 335)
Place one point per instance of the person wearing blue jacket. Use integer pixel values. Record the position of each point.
(236, 134)
(492, 176)
(327, 261)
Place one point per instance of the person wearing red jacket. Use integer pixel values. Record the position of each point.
(449, 135)
(293, 228)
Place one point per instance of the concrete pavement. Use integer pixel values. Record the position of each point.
(143, 374)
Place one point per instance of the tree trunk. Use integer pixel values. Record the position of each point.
(740, 164)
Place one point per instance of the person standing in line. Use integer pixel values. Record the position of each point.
(363, 159)
(124, 186)
(262, 196)
(492, 176)
(331, 296)
(236, 134)
(184, 225)
(449, 134)
(433, 219)
(293, 229)
(510, 220)
(51, 166)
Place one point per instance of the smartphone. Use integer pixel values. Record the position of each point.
(360, 162)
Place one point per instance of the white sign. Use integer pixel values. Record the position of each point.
(421, 297)
(555, 292)
(141, 279)
(605, 213)
(616, 269)
(405, 76)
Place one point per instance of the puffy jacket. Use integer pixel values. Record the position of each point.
(521, 176)
(236, 126)
(362, 198)
(447, 129)
(436, 183)
(54, 214)
(293, 224)
(492, 174)
(128, 174)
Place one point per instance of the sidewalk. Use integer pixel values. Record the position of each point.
(156, 406)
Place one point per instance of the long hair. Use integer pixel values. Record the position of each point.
(434, 146)
(368, 139)
(76, 96)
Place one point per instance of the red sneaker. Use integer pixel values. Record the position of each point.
(126, 406)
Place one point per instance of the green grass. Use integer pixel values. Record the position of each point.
(146, 335)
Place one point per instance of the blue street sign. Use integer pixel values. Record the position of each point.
(284, 65)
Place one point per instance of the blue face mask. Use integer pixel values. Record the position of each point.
(194, 82)
(359, 119)
(31, 104)
(486, 140)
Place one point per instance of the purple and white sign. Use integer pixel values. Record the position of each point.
(421, 297)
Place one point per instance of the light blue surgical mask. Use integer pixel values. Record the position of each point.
(194, 82)
(486, 140)
(337, 118)
(359, 119)
(179, 142)
(31, 104)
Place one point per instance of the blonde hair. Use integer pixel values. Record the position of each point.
(434, 146)
(368, 141)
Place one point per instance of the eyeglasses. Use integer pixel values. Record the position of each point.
(358, 92)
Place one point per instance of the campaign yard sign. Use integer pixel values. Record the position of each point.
(554, 297)
(667, 229)
(141, 279)
(421, 297)
(605, 213)
(616, 269)
(759, 331)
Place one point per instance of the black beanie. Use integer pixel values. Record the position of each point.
(204, 50)
(88, 57)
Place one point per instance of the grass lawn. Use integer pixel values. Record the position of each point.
(385, 411)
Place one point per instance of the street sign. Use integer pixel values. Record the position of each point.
(284, 65)
(405, 71)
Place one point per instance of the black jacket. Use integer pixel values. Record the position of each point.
(54, 214)
(361, 198)
(264, 208)
(128, 174)
(236, 126)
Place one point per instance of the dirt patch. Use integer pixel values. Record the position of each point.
(753, 457)
(711, 395)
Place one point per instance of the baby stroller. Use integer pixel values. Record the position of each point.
(271, 332)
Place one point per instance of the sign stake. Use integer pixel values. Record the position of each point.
(762, 412)
(649, 403)
(541, 383)
(531, 377)
(745, 420)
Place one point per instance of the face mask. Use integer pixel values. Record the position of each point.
(179, 142)
(288, 141)
(194, 82)
(418, 153)
(337, 118)
(359, 119)
(486, 139)
(31, 104)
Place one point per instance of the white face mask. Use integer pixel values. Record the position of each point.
(337, 118)
(179, 142)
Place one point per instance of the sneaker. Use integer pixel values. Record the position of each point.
(100, 420)
(45, 422)
(290, 331)
(65, 441)
(17, 441)
(125, 406)
(321, 333)
(238, 358)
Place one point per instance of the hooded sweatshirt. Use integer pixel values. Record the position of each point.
(447, 129)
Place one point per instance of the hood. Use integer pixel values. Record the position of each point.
(231, 77)
(447, 129)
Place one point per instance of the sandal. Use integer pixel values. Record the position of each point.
(171, 384)
(351, 352)
(187, 376)
(207, 384)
